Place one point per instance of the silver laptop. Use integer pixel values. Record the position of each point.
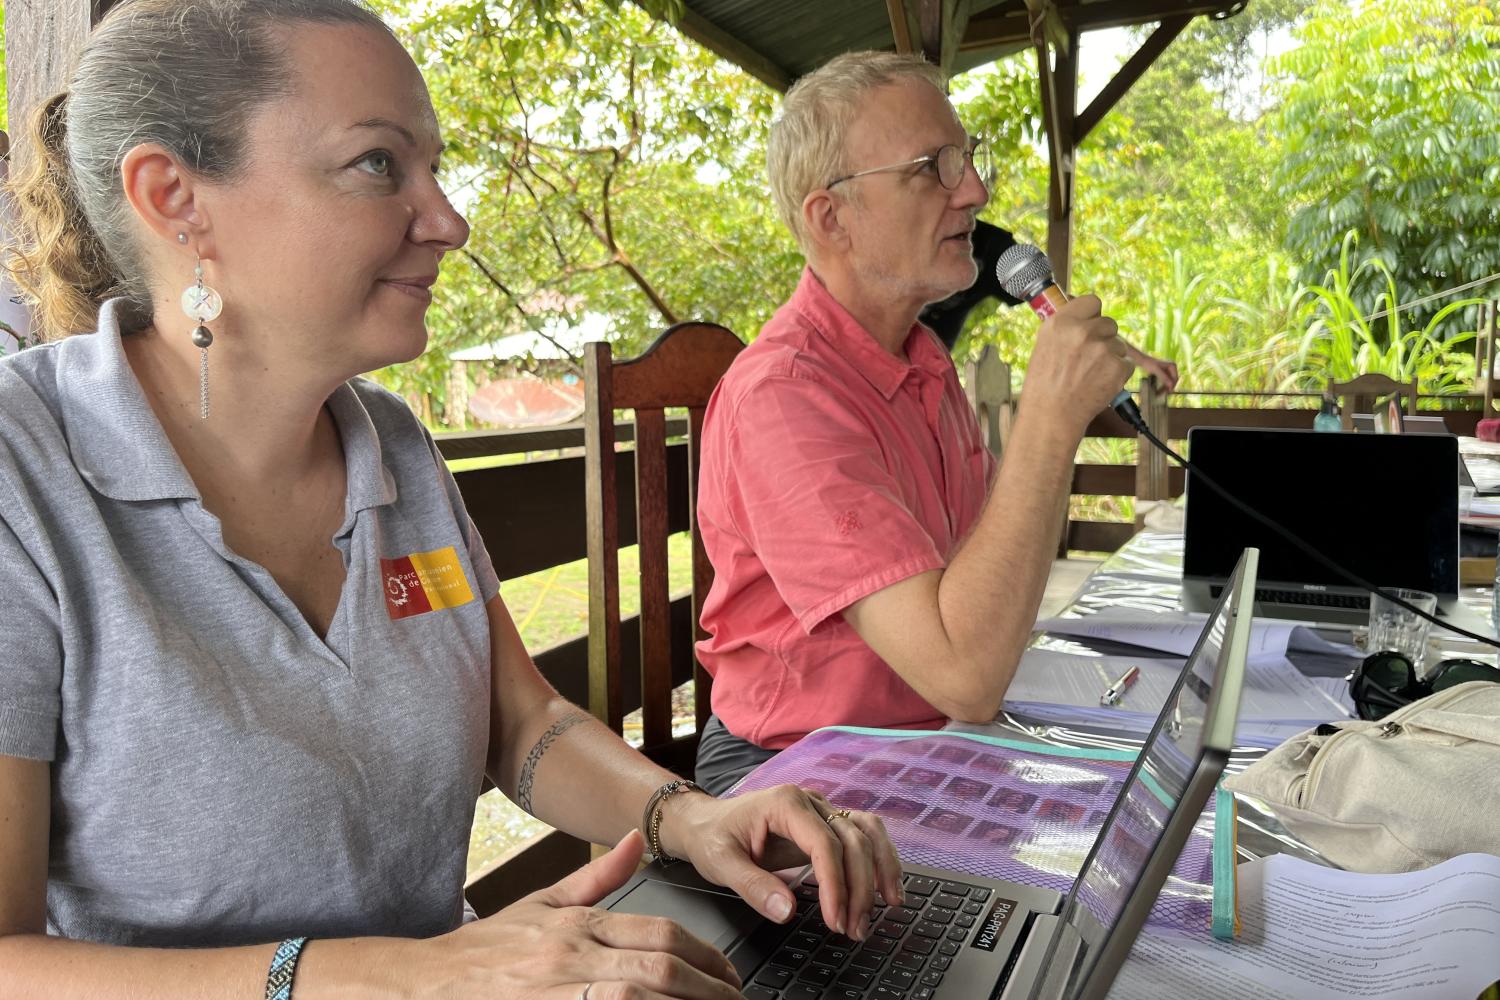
(1382, 506)
(962, 937)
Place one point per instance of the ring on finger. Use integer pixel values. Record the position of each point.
(836, 814)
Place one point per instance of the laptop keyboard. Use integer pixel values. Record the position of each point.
(1309, 598)
(905, 957)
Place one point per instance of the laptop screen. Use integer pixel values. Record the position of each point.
(1167, 762)
(1382, 506)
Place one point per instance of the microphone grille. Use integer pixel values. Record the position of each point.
(1023, 270)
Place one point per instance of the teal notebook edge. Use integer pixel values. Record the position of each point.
(1226, 885)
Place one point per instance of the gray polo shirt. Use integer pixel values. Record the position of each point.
(220, 774)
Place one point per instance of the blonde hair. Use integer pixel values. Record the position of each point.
(185, 74)
(806, 146)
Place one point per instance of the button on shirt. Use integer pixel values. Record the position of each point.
(831, 470)
(220, 774)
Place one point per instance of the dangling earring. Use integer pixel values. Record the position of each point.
(201, 303)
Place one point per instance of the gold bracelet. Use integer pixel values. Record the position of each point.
(651, 819)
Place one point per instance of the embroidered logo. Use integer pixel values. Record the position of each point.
(848, 522)
(424, 581)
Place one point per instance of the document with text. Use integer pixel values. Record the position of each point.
(1315, 933)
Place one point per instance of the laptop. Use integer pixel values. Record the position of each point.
(1383, 506)
(967, 937)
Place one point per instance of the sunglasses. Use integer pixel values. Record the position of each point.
(1386, 681)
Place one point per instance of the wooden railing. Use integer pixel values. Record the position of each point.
(531, 515)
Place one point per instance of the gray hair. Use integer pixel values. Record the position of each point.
(806, 146)
(185, 74)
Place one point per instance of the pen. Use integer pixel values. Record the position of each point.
(1111, 695)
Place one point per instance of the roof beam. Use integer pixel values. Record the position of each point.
(901, 28)
(1011, 24)
(1144, 57)
(714, 38)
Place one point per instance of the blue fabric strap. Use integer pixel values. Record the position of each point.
(283, 968)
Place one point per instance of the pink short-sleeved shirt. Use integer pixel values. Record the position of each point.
(831, 470)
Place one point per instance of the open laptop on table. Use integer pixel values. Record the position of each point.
(1383, 506)
(966, 937)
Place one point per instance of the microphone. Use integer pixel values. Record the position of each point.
(1025, 273)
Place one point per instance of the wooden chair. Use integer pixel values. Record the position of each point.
(679, 370)
(1360, 394)
(987, 384)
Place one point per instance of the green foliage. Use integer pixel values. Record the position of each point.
(1343, 342)
(606, 165)
(1390, 126)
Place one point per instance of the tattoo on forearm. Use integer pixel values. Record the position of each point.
(528, 769)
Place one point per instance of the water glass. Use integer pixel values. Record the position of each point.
(1393, 627)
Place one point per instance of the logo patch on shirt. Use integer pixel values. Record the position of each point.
(848, 522)
(424, 581)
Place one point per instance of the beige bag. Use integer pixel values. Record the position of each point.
(1407, 791)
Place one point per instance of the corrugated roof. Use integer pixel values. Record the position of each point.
(780, 40)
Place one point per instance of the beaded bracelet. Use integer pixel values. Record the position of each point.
(283, 969)
(651, 818)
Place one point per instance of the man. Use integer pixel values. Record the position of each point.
(946, 318)
(865, 573)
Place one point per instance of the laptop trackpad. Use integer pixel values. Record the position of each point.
(718, 918)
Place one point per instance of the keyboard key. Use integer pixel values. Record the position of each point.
(924, 993)
(979, 892)
(920, 945)
(773, 978)
(830, 956)
(938, 915)
(932, 979)
(917, 885)
(948, 899)
(790, 958)
(958, 889)
(929, 930)
(974, 907)
(867, 961)
(760, 993)
(802, 991)
(958, 934)
(806, 893)
(941, 963)
(803, 941)
(856, 978)
(886, 929)
(909, 961)
(948, 948)
(818, 975)
(901, 914)
(879, 944)
(964, 920)
(899, 979)
(843, 993)
(887, 993)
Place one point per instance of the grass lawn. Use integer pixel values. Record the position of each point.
(548, 607)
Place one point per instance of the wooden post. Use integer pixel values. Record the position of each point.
(1059, 90)
(1151, 473)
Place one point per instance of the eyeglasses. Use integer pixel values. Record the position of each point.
(1387, 681)
(949, 161)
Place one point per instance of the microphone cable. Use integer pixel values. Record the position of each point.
(1132, 415)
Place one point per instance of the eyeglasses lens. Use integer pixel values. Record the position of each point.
(1454, 672)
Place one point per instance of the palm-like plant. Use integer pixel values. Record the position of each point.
(1342, 342)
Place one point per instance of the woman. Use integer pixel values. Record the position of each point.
(257, 661)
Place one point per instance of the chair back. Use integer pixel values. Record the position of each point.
(679, 370)
(987, 384)
(1360, 394)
